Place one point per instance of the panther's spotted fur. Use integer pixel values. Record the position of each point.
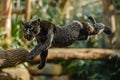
(47, 35)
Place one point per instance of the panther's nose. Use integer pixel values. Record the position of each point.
(29, 37)
(28, 31)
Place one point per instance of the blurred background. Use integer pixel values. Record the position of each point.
(60, 13)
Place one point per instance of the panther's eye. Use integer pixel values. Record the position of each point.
(24, 29)
(31, 29)
(30, 26)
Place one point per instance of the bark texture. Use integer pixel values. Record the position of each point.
(14, 57)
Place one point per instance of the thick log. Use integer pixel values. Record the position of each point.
(117, 12)
(48, 70)
(14, 57)
(61, 77)
(86, 53)
(16, 11)
(15, 74)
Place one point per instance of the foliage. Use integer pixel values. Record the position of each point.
(116, 4)
(93, 70)
(51, 11)
(16, 31)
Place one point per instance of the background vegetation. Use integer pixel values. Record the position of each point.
(61, 12)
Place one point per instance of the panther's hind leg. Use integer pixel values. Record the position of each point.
(83, 37)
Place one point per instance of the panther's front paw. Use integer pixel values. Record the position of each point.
(30, 56)
(41, 66)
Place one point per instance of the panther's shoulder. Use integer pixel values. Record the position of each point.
(46, 24)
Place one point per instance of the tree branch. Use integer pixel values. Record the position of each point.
(14, 74)
(86, 53)
(14, 57)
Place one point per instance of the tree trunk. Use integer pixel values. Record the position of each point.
(109, 19)
(6, 18)
(27, 10)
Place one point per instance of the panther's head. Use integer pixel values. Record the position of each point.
(31, 29)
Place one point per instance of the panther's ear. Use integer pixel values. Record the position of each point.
(22, 22)
(38, 20)
(92, 19)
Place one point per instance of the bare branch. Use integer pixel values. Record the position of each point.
(14, 57)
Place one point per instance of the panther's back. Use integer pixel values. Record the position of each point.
(66, 35)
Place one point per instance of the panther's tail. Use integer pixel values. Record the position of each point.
(99, 27)
(107, 30)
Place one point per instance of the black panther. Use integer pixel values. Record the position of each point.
(48, 35)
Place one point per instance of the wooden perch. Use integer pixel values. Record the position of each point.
(48, 70)
(14, 57)
(86, 53)
(15, 74)
(16, 11)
